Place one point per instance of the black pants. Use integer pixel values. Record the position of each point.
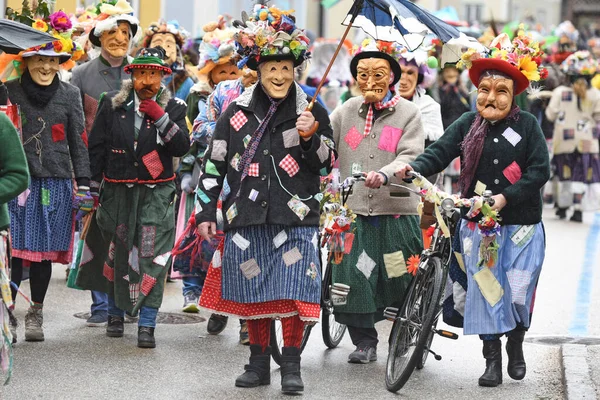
(39, 278)
(362, 337)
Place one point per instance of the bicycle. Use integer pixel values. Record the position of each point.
(415, 323)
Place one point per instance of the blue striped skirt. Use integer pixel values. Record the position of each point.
(271, 262)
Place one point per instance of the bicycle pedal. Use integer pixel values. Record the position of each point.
(447, 334)
(390, 313)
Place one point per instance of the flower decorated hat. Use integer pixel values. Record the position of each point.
(271, 34)
(171, 27)
(110, 13)
(149, 58)
(217, 47)
(371, 48)
(580, 64)
(519, 59)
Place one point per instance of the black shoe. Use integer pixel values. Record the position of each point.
(291, 378)
(258, 371)
(216, 324)
(146, 337)
(114, 326)
(561, 213)
(492, 352)
(577, 216)
(516, 361)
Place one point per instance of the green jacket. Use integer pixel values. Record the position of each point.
(14, 174)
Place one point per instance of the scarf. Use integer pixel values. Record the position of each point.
(472, 147)
(379, 106)
(39, 95)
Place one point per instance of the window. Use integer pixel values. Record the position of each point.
(473, 12)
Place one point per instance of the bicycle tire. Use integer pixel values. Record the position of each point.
(276, 340)
(332, 331)
(425, 353)
(427, 285)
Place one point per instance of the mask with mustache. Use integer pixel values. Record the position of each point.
(374, 77)
(146, 82)
(495, 97)
(116, 41)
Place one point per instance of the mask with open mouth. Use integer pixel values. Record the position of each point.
(495, 97)
(42, 69)
(276, 77)
(116, 41)
(373, 77)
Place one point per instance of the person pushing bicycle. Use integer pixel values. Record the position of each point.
(502, 149)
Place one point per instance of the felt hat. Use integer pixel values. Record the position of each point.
(370, 48)
(110, 14)
(171, 27)
(149, 58)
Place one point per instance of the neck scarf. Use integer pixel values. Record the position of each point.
(39, 95)
(379, 106)
(472, 147)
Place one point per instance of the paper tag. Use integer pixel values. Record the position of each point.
(202, 196)
(22, 199)
(240, 241)
(247, 140)
(235, 161)
(356, 169)
(280, 239)
(250, 268)
(522, 235)
(460, 261)
(210, 183)
(298, 207)
(253, 194)
(45, 197)
(291, 257)
(231, 213)
(480, 188)
(467, 246)
(216, 260)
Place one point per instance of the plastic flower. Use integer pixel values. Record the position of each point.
(60, 21)
(412, 266)
(294, 44)
(40, 25)
(529, 68)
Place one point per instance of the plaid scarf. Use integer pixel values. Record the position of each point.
(380, 106)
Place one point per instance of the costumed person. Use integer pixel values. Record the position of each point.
(575, 111)
(497, 261)
(42, 220)
(218, 63)
(376, 133)
(273, 153)
(137, 132)
(171, 37)
(113, 31)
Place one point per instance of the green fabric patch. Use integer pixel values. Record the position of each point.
(202, 196)
(211, 168)
(323, 172)
(45, 197)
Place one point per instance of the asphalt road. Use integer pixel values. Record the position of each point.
(77, 362)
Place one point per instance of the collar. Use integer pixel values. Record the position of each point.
(364, 107)
(136, 104)
(105, 62)
(246, 97)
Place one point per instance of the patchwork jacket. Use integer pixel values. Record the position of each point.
(113, 156)
(283, 183)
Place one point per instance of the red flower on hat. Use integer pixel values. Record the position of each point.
(543, 73)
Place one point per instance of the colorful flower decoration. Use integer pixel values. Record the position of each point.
(580, 63)
(412, 266)
(217, 47)
(392, 49)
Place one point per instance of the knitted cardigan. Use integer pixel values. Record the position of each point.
(397, 138)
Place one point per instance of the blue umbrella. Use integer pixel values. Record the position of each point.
(400, 21)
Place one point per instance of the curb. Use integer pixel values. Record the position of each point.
(576, 372)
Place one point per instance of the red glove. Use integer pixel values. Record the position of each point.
(151, 109)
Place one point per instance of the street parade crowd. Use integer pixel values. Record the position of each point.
(137, 156)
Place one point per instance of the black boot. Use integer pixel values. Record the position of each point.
(216, 324)
(114, 326)
(492, 352)
(146, 337)
(258, 371)
(561, 213)
(291, 379)
(577, 216)
(516, 361)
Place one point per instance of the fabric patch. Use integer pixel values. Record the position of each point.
(162, 259)
(240, 241)
(291, 257)
(58, 132)
(250, 268)
(108, 272)
(489, 286)
(395, 265)
(238, 120)
(280, 239)
(126, 277)
(202, 196)
(566, 172)
(111, 251)
(353, 138)
(246, 140)
(235, 161)
(45, 197)
(253, 194)
(460, 261)
(522, 235)
(134, 292)
(567, 96)
(298, 207)
(365, 264)
(467, 246)
(568, 134)
(323, 152)
(289, 165)
(480, 188)
(315, 240)
(512, 172)
(231, 213)
(197, 207)
(84, 137)
(519, 281)
(134, 261)
(596, 132)
(389, 139)
(291, 138)
(148, 283)
(219, 150)
(311, 271)
(210, 168)
(122, 233)
(216, 260)
(153, 164)
(210, 183)
(586, 146)
(148, 238)
(459, 295)
(513, 137)
(22, 198)
(87, 255)
(254, 169)
(323, 172)
(356, 169)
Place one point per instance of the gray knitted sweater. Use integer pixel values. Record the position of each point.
(396, 138)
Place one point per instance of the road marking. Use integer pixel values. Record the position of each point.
(579, 323)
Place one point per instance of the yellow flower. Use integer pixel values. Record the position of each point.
(260, 40)
(529, 68)
(294, 44)
(40, 25)
(66, 44)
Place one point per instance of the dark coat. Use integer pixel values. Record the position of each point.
(264, 198)
(111, 145)
(454, 103)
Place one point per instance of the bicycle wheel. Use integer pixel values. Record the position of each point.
(277, 339)
(421, 362)
(411, 328)
(332, 331)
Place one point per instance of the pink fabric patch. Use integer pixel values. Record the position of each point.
(353, 138)
(390, 137)
(513, 172)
